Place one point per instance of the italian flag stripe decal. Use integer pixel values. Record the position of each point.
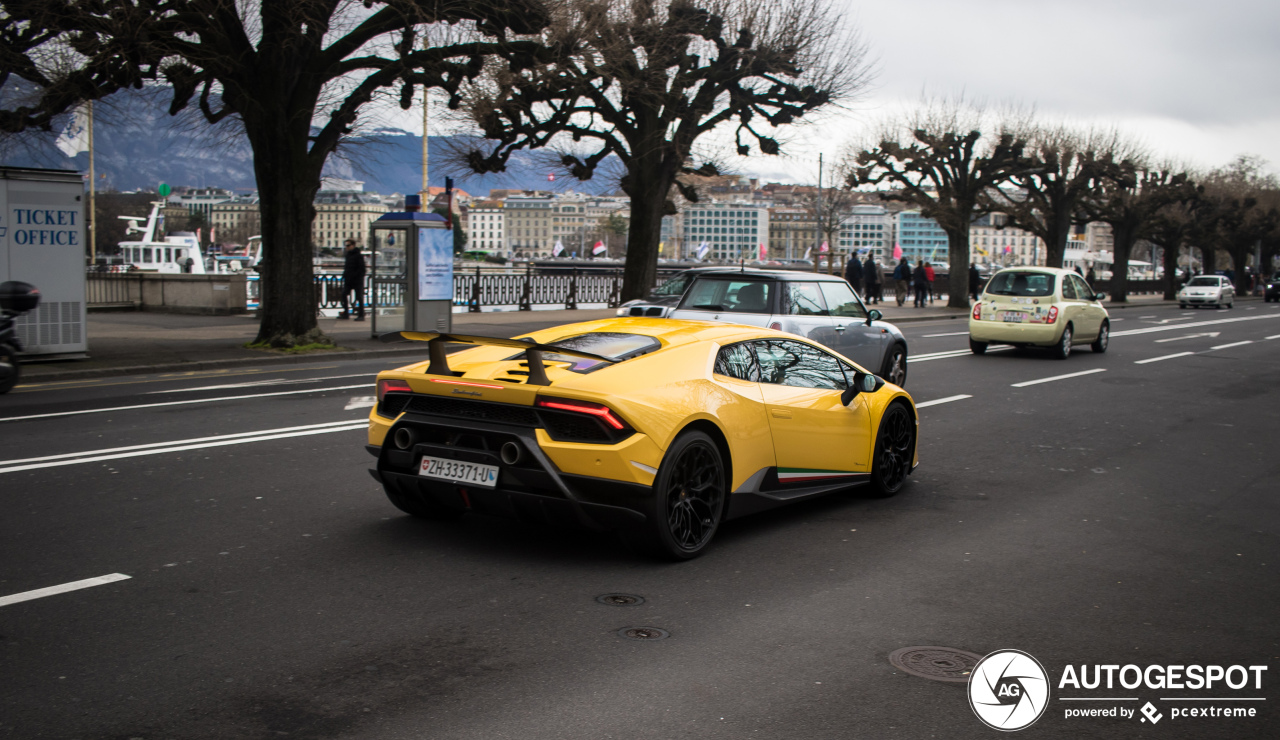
(796, 475)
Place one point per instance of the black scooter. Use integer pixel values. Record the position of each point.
(15, 299)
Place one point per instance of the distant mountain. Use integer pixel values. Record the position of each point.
(137, 145)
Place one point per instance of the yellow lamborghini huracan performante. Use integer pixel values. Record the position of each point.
(660, 429)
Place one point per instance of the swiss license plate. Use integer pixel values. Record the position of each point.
(1013, 317)
(475, 474)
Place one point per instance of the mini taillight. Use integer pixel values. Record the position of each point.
(977, 312)
(392, 385)
(776, 326)
(584, 407)
(1053, 314)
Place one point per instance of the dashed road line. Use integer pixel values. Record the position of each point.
(1024, 384)
(1233, 344)
(180, 403)
(938, 401)
(40, 593)
(948, 334)
(1180, 327)
(1165, 357)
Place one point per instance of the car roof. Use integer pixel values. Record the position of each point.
(774, 275)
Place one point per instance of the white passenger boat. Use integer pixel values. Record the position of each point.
(177, 252)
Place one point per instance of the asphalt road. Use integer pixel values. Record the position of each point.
(1125, 514)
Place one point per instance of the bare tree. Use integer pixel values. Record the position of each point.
(1064, 168)
(295, 73)
(829, 206)
(1243, 210)
(944, 159)
(643, 80)
(1130, 204)
(1177, 226)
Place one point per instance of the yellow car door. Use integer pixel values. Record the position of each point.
(815, 437)
(1091, 310)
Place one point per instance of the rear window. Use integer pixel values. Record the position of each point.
(729, 296)
(614, 345)
(1022, 284)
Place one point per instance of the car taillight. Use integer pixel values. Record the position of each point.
(977, 312)
(604, 413)
(1053, 314)
(392, 385)
(776, 326)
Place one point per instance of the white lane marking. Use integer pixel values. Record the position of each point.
(951, 353)
(1180, 327)
(170, 443)
(271, 381)
(1274, 336)
(1233, 344)
(937, 401)
(1166, 357)
(1059, 377)
(1190, 336)
(40, 593)
(180, 403)
(361, 402)
(1146, 317)
(1165, 321)
(1115, 320)
(9, 466)
(950, 334)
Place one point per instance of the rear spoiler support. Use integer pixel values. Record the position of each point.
(439, 361)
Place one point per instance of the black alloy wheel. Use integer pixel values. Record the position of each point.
(895, 366)
(689, 497)
(895, 444)
(1062, 350)
(1104, 337)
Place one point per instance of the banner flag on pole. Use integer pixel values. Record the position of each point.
(558, 250)
(703, 248)
(764, 254)
(897, 251)
(600, 248)
(807, 250)
(823, 248)
(75, 138)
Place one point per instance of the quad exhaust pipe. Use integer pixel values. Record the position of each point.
(511, 453)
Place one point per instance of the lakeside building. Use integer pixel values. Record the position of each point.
(732, 230)
(868, 229)
(920, 238)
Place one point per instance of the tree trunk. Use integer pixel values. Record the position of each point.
(958, 279)
(1209, 259)
(1239, 258)
(287, 185)
(1171, 272)
(648, 188)
(1124, 236)
(1056, 249)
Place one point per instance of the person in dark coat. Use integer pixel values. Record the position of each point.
(975, 281)
(353, 280)
(853, 273)
(1090, 277)
(872, 279)
(902, 280)
(921, 280)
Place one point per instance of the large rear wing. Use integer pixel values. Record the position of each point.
(533, 351)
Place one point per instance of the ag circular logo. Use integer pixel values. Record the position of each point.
(1008, 690)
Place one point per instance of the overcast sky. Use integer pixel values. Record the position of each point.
(1198, 82)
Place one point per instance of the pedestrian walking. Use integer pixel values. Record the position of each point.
(353, 281)
(853, 273)
(902, 280)
(873, 277)
(920, 282)
(928, 274)
(1089, 277)
(975, 282)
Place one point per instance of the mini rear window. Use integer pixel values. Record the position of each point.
(1022, 284)
(729, 296)
(611, 344)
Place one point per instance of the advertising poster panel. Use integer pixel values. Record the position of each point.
(435, 264)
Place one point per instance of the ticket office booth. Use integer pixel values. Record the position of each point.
(412, 273)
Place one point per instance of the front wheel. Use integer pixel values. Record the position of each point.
(895, 444)
(10, 370)
(1104, 336)
(895, 366)
(1062, 350)
(688, 499)
(976, 347)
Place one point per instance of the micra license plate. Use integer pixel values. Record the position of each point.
(456, 471)
(1013, 317)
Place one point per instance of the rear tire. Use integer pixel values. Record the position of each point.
(688, 504)
(11, 368)
(976, 347)
(1062, 350)
(418, 505)
(895, 366)
(1183, 306)
(1104, 337)
(895, 445)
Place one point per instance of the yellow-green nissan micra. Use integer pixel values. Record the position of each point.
(1039, 307)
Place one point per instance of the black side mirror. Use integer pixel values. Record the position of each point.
(874, 315)
(862, 383)
(1099, 296)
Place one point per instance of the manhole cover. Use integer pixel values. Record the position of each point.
(644, 633)
(936, 663)
(620, 599)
